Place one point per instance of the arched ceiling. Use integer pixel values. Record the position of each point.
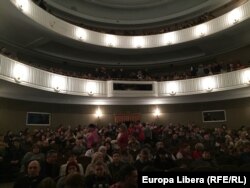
(137, 14)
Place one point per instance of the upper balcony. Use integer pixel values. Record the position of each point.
(45, 86)
(57, 41)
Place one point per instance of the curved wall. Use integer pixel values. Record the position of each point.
(13, 113)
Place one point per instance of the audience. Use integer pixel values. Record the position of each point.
(134, 147)
(198, 148)
(164, 74)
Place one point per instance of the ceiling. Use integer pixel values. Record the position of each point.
(130, 14)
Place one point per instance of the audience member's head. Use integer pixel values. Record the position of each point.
(47, 182)
(72, 167)
(74, 181)
(99, 168)
(97, 156)
(35, 149)
(33, 168)
(103, 149)
(51, 157)
(128, 176)
(72, 157)
(144, 155)
(116, 157)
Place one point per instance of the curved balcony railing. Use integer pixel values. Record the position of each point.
(16, 72)
(61, 27)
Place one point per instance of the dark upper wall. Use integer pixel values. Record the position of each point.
(13, 113)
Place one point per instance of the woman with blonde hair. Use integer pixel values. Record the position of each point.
(98, 156)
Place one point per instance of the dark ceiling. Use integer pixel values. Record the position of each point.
(131, 14)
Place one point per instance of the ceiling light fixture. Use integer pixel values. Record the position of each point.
(157, 112)
(138, 42)
(81, 34)
(23, 5)
(20, 73)
(201, 30)
(234, 16)
(58, 83)
(169, 38)
(111, 40)
(91, 88)
(208, 84)
(98, 113)
(246, 77)
(172, 88)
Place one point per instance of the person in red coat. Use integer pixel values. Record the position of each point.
(122, 137)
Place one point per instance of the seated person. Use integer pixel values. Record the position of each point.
(32, 176)
(34, 154)
(128, 177)
(72, 158)
(144, 160)
(50, 168)
(98, 156)
(115, 165)
(100, 177)
(71, 168)
(74, 181)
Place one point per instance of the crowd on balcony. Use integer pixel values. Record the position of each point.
(169, 73)
(120, 73)
(167, 28)
(103, 154)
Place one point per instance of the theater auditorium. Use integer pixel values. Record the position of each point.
(95, 92)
